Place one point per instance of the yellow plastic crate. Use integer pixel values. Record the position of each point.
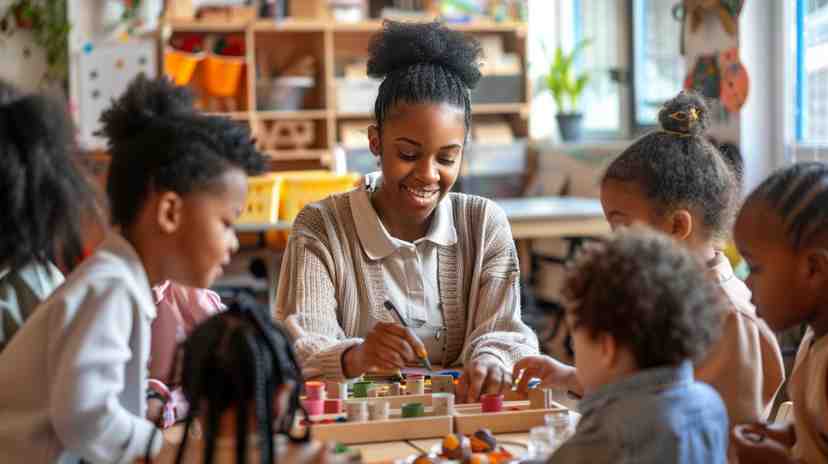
(302, 187)
(262, 204)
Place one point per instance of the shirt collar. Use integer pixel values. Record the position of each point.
(654, 379)
(379, 244)
(720, 268)
(116, 244)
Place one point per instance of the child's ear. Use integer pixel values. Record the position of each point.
(609, 350)
(681, 224)
(374, 140)
(170, 211)
(817, 267)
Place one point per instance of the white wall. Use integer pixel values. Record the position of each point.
(762, 136)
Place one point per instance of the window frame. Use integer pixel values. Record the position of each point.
(796, 147)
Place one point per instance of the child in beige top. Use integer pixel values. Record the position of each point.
(782, 233)
(676, 181)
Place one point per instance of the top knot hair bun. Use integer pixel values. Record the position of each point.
(402, 45)
(685, 114)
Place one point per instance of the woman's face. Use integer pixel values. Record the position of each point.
(420, 150)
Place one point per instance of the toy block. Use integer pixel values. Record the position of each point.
(442, 384)
(516, 416)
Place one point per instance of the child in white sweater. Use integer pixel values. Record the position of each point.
(73, 379)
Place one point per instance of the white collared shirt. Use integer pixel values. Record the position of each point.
(410, 269)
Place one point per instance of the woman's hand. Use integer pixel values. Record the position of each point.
(754, 445)
(484, 374)
(551, 372)
(387, 347)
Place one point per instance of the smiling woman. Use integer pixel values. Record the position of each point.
(446, 260)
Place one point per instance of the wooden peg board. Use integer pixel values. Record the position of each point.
(469, 419)
(395, 428)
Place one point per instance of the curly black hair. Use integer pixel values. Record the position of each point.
(234, 359)
(678, 167)
(799, 194)
(423, 62)
(159, 142)
(45, 192)
(647, 292)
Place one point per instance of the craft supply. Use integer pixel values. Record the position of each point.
(333, 406)
(491, 402)
(395, 389)
(315, 390)
(357, 410)
(443, 404)
(314, 407)
(423, 355)
(415, 385)
(379, 409)
(338, 390)
(413, 410)
(361, 389)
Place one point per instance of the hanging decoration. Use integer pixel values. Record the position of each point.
(705, 77)
(734, 80)
(728, 12)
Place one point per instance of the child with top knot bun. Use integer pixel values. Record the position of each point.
(73, 380)
(446, 261)
(675, 181)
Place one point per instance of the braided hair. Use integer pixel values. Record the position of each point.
(423, 62)
(678, 166)
(159, 142)
(799, 194)
(233, 360)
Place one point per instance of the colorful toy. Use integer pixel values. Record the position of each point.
(491, 402)
(457, 447)
(483, 441)
(413, 410)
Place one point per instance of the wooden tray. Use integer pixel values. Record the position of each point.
(395, 428)
(468, 418)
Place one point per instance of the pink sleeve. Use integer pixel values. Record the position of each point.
(180, 309)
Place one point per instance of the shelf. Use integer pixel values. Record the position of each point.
(300, 114)
(184, 25)
(479, 108)
(324, 156)
(299, 25)
(236, 115)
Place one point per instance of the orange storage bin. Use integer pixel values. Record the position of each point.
(222, 75)
(179, 66)
(302, 187)
(262, 204)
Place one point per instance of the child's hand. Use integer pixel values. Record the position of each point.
(782, 433)
(552, 373)
(155, 411)
(753, 445)
(308, 453)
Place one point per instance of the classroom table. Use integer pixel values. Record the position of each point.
(389, 452)
(530, 217)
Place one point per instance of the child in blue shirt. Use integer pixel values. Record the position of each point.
(641, 309)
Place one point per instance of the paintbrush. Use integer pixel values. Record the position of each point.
(423, 355)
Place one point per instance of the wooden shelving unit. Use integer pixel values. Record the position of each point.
(330, 42)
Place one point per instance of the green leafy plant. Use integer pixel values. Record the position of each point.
(565, 86)
(49, 23)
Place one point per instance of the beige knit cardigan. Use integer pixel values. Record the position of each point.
(327, 279)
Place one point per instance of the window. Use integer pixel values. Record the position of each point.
(635, 61)
(811, 93)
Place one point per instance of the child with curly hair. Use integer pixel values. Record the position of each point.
(73, 380)
(641, 310)
(676, 181)
(782, 233)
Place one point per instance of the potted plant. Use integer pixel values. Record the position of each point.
(566, 88)
(49, 22)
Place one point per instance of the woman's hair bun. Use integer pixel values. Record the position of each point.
(145, 102)
(686, 113)
(402, 45)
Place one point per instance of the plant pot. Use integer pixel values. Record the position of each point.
(179, 66)
(222, 75)
(570, 125)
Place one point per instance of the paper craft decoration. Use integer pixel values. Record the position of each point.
(727, 10)
(734, 80)
(705, 77)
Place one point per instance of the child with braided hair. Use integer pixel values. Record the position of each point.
(782, 233)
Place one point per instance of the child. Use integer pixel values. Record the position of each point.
(782, 233)
(240, 374)
(676, 181)
(73, 380)
(43, 197)
(179, 310)
(641, 310)
(445, 260)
